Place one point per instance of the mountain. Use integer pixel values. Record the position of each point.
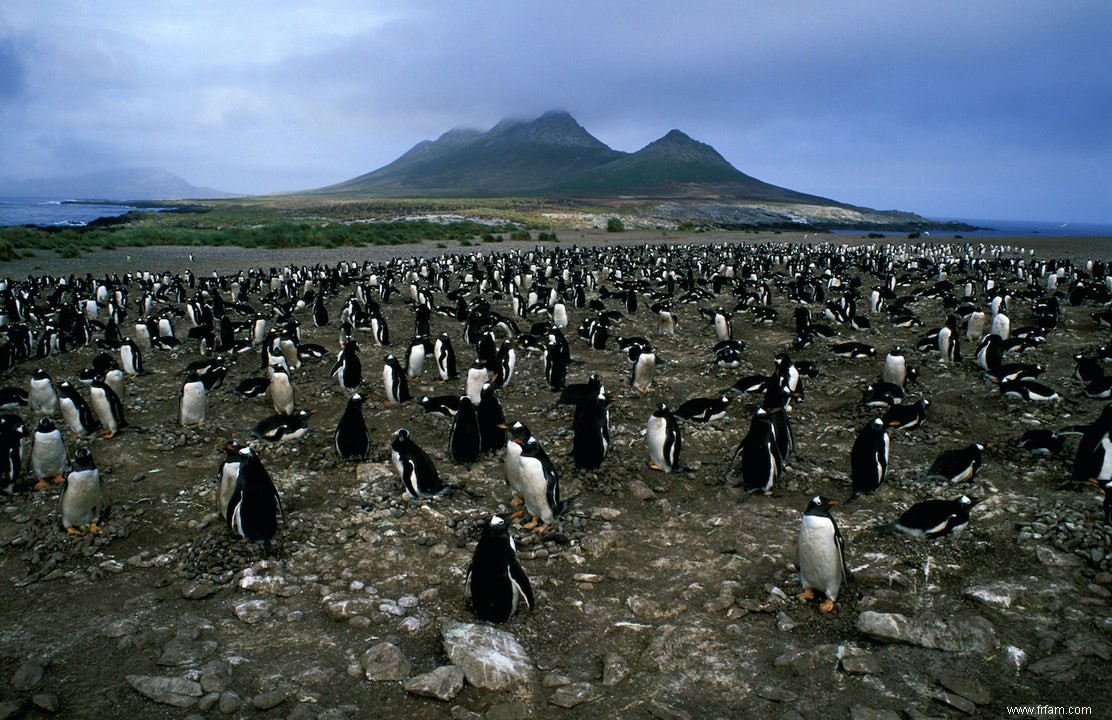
(553, 155)
(117, 184)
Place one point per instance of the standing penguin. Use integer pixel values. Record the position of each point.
(445, 357)
(352, 441)
(256, 506)
(869, 458)
(1093, 459)
(75, 411)
(644, 369)
(192, 400)
(281, 390)
(415, 356)
(507, 362)
(228, 480)
(83, 502)
(42, 398)
(495, 580)
(131, 358)
(760, 456)
(895, 367)
(492, 421)
(395, 382)
(415, 468)
(348, 369)
(516, 435)
(477, 376)
(662, 433)
(591, 432)
(555, 366)
(49, 458)
(821, 553)
(320, 312)
(12, 434)
(540, 486)
(106, 404)
(465, 438)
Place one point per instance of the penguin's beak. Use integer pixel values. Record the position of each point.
(503, 427)
(833, 502)
(1093, 481)
(975, 501)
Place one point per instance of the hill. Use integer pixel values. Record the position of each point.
(135, 183)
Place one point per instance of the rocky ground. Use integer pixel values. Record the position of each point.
(660, 596)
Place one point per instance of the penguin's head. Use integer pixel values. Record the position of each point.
(970, 501)
(357, 399)
(46, 425)
(83, 457)
(41, 374)
(401, 435)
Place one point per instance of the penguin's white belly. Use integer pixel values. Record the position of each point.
(820, 563)
(657, 436)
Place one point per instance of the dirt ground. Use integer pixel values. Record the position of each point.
(660, 595)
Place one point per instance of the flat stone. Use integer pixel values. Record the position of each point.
(229, 702)
(1060, 667)
(865, 664)
(268, 700)
(197, 590)
(490, 658)
(253, 611)
(385, 662)
(215, 676)
(957, 702)
(174, 691)
(570, 696)
(955, 634)
(861, 712)
(47, 702)
(651, 610)
(1053, 558)
(443, 683)
(27, 675)
(660, 711)
(775, 693)
(996, 594)
(967, 687)
(614, 669)
(120, 628)
(347, 609)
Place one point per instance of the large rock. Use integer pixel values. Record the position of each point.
(490, 658)
(175, 691)
(385, 662)
(443, 683)
(959, 634)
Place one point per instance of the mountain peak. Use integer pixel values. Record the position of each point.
(555, 128)
(679, 146)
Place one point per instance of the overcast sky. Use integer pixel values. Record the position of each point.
(997, 109)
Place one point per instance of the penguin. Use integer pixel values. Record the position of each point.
(1041, 442)
(958, 465)
(277, 428)
(906, 417)
(445, 357)
(761, 462)
(13, 397)
(495, 580)
(1028, 390)
(108, 408)
(934, 518)
(227, 480)
(83, 502)
(492, 421)
(591, 432)
(516, 435)
(821, 553)
(281, 390)
(1107, 506)
(1093, 459)
(415, 357)
(415, 468)
(348, 369)
(465, 439)
(555, 367)
(895, 367)
(477, 376)
(253, 387)
(49, 458)
(352, 441)
(723, 330)
(540, 486)
(662, 434)
(703, 410)
(507, 363)
(643, 372)
(443, 405)
(320, 312)
(256, 506)
(131, 358)
(192, 400)
(882, 394)
(42, 398)
(395, 382)
(869, 458)
(75, 411)
(990, 352)
(853, 350)
(12, 433)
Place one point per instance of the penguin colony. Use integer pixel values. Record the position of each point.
(824, 304)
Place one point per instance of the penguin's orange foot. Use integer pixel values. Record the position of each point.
(94, 528)
(41, 484)
(654, 466)
(516, 515)
(108, 434)
(807, 594)
(72, 531)
(58, 479)
(516, 500)
(532, 523)
(540, 528)
(827, 605)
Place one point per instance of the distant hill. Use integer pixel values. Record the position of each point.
(553, 155)
(116, 184)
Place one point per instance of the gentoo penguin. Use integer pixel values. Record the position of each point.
(477, 376)
(662, 434)
(1107, 506)
(13, 397)
(990, 352)
(935, 518)
(415, 356)
(348, 369)
(975, 326)
(703, 410)
(83, 502)
(591, 432)
(956, 465)
(869, 458)
(49, 458)
(516, 435)
(1041, 442)
(821, 553)
(12, 433)
(395, 382)
(253, 387)
(464, 439)
(228, 480)
(1024, 389)
(131, 358)
(1093, 460)
(492, 421)
(255, 506)
(415, 468)
(555, 367)
(760, 456)
(283, 427)
(495, 581)
(281, 390)
(107, 406)
(352, 441)
(507, 363)
(723, 330)
(540, 485)
(895, 367)
(906, 417)
(853, 350)
(445, 357)
(320, 312)
(42, 398)
(192, 400)
(442, 405)
(882, 394)
(559, 315)
(75, 411)
(643, 371)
